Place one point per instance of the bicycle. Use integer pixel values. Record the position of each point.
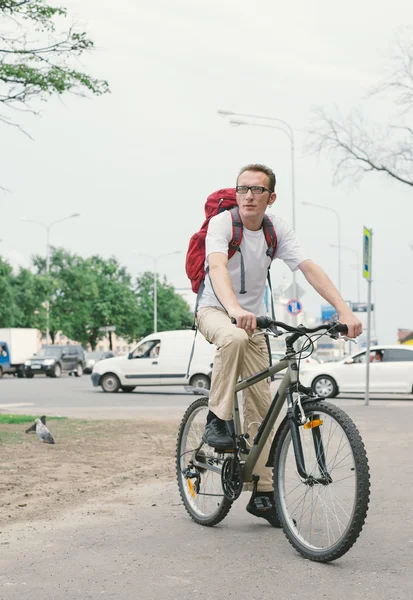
(320, 468)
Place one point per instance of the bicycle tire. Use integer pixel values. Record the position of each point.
(352, 468)
(204, 508)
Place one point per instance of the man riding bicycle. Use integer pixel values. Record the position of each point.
(238, 353)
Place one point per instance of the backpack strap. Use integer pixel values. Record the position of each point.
(272, 297)
(270, 236)
(191, 356)
(235, 243)
(267, 339)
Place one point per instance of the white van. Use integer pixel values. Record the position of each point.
(159, 359)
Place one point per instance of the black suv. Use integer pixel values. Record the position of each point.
(53, 360)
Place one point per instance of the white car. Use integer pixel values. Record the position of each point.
(391, 370)
(159, 359)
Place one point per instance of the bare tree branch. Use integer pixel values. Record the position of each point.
(13, 124)
(358, 148)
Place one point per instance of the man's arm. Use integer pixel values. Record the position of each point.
(221, 283)
(324, 286)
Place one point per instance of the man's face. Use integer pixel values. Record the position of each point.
(254, 205)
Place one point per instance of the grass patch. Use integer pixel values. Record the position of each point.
(17, 419)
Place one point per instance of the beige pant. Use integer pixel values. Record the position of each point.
(238, 355)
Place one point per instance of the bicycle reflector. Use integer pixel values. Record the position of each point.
(191, 488)
(312, 424)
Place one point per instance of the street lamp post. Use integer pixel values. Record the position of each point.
(289, 132)
(339, 236)
(48, 228)
(358, 265)
(155, 278)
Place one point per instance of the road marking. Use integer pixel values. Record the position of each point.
(16, 404)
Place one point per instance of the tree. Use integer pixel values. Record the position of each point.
(358, 147)
(35, 60)
(7, 295)
(29, 294)
(172, 310)
(21, 297)
(88, 294)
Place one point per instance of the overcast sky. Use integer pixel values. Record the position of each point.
(139, 163)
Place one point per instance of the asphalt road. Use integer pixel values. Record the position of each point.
(76, 397)
(147, 548)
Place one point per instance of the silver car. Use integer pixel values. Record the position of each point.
(93, 357)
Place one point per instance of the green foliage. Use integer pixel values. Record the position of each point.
(34, 10)
(22, 297)
(86, 294)
(172, 310)
(35, 59)
(30, 293)
(7, 304)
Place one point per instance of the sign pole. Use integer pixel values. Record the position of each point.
(367, 254)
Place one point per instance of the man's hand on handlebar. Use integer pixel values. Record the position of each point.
(354, 325)
(244, 319)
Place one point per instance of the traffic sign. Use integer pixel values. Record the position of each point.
(299, 291)
(367, 253)
(294, 307)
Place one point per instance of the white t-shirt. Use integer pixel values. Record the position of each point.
(256, 262)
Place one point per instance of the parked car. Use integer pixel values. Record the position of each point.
(16, 344)
(53, 360)
(159, 359)
(391, 370)
(91, 358)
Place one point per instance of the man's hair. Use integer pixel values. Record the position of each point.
(263, 169)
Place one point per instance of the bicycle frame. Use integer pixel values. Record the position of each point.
(288, 383)
(265, 429)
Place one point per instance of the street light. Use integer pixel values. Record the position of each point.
(357, 265)
(339, 236)
(155, 276)
(289, 132)
(48, 228)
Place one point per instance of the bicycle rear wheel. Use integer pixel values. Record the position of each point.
(199, 468)
(322, 515)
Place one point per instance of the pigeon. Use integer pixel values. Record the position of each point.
(43, 434)
(32, 428)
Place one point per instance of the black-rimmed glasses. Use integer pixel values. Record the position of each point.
(255, 189)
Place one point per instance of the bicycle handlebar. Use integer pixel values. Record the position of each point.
(267, 323)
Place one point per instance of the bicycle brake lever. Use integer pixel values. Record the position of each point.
(268, 332)
(347, 339)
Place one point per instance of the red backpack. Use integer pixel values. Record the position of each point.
(216, 203)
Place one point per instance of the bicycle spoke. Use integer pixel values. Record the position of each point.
(319, 511)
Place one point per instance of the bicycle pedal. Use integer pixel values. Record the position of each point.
(262, 503)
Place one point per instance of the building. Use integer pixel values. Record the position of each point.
(405, 336)
(119, 345)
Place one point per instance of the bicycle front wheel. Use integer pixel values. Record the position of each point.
(199, 469)
(323, 513)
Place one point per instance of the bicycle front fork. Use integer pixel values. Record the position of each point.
(295, 415)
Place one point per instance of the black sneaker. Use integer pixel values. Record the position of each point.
(217, 436)
(264, 506)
